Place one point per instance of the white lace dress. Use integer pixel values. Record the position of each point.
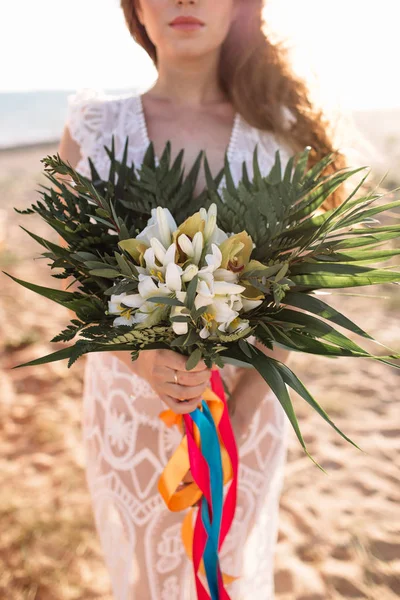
(127, 445)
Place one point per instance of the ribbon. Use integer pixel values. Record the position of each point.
(209, 450)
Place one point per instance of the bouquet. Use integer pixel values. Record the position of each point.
(206, 276)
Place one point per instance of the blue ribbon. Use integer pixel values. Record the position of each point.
(210, 447)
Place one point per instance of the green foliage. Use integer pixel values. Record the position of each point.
(70, 332)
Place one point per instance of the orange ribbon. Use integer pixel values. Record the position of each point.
(179, 465)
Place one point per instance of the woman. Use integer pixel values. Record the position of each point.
(222, 86)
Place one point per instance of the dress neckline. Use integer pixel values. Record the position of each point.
(232, 146)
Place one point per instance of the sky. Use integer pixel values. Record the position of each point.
(348, 47)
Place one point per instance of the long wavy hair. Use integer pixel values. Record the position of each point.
(257, 77)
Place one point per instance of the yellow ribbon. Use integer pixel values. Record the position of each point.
(179, 465)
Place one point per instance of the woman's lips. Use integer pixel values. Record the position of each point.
(186, 23)
(186, 26)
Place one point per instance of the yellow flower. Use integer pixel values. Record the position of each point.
(253, 265)
(236, 251)
(136, 248)
(190, 227)
(251, 293)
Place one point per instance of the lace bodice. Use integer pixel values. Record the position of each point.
(94, 116)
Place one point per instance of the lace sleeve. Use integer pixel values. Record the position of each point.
(86, 119)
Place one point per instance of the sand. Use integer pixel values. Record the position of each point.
(339, 533)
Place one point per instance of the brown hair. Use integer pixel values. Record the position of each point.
(256, 75)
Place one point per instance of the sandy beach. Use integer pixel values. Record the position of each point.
(339, 533)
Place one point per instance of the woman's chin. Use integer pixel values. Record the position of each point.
(189, 48)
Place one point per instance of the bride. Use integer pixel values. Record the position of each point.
(222, 86)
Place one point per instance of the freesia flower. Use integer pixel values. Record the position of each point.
(250, 304)
(126, 314)
(212, 233)
(150, 313)
(161, 225)
(180, 328)
(208, 287)
(237, 325)
(190, 272)
(192, 248)
(219, 314)
(213, 261)
(173, 279)
(156, 259)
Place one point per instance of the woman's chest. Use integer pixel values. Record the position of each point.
(214, 134)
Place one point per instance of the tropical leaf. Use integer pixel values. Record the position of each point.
(58, 296)
(294, 382)
(273, 377)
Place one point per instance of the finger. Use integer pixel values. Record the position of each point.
(187, 378)
(176, 361)
(183, 392)
(181, 408)
(171, 359)
(201, 366)
(165, 375)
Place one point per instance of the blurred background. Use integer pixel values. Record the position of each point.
(339, 533)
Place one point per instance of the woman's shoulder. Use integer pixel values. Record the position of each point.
(93, 114)
(90, 96)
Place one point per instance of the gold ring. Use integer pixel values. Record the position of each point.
(176, 378)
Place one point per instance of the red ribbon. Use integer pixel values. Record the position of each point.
(201, 476)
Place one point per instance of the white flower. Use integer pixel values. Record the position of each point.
(173, 279)
(192, 248)
(198, 243)
(226, 275)
(144, 308)
(205, 285)
(158, 249)
(161, 225)
(250, 304)
(213, 260)
(207, 291)
(190, 272)
(212, 233)
(185, 245)
(222, 299)
(115, 308)
(157, 258)
(147, 287)
(223, 288)
(220, 313)
(237, 325)
(179, 328)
